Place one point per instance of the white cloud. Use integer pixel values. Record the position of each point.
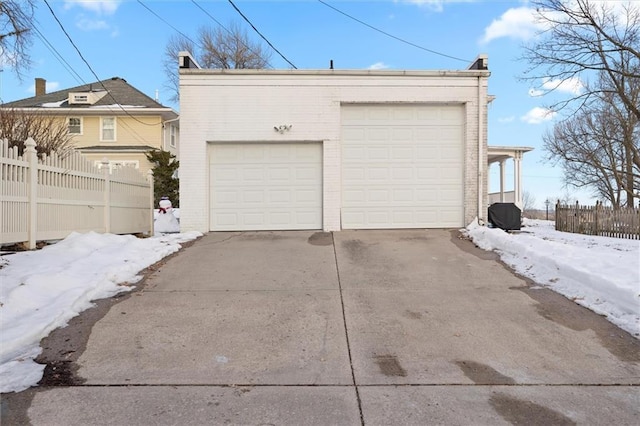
(517, 23)
(538, 115)
(435, 5)
(523, 23)
(572, 86)
(102, 7)
(534, 93)
(87, 24)
(379, 66)
(51, 86)
(506, 119)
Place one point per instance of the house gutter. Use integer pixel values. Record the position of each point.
(480, 150)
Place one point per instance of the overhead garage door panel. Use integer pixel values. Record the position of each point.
(402, 166)
(265, 186)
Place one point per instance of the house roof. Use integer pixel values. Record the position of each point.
(501, 153)
(120, 96)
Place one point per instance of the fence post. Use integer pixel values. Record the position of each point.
(107, 195)
(32, 157)
(151, 200)
(597, 232)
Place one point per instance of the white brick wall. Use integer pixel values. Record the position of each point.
(245, 105)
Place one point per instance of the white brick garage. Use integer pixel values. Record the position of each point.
(402, 166)
(271, 108)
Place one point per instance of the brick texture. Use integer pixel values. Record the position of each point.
(245, 106)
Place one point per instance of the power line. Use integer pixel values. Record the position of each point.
(166, 22)
(391, 35)
(263, 37)
(91, 69)
(58, 56)
(226, 29)
(210, 16)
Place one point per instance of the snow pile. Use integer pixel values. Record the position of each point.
(42, 290)
(600, 273)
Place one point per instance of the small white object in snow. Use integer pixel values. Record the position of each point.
(165, 221)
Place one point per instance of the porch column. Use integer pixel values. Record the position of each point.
(502, 200)
(517, 178)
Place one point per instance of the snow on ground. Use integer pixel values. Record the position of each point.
(600, 273)
(42, 290)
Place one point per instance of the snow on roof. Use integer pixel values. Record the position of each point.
(117, 106)
(53, 104)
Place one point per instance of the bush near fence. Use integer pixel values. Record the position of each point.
(48, 198)
(599, 220)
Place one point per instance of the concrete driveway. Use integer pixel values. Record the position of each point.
(356, 327)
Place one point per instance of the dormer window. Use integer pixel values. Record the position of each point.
(75, 125)
(86, 98)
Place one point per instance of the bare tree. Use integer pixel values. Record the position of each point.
(49, 132)
(599, 147)
(16, 19)
(595, 44)
(231, 49)
(175, 45)
(581, 37)
(528, 203)
(567, 198)
(225, 48)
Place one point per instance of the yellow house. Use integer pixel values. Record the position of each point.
(109, 119)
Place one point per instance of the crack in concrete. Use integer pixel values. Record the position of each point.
(346, 332)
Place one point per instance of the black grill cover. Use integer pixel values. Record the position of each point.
(505, 216)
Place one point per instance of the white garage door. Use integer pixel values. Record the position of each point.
(265, 186)
(402, 166)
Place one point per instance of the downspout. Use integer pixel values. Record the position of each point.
(480, 150)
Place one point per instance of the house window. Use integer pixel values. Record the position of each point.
(108, 129)
(172, 136)
(75, 125)
(117, 164)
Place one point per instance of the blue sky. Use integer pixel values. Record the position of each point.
(122, 38)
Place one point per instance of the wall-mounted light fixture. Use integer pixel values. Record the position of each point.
(283, 128)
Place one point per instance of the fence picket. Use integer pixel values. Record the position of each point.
(599, 220)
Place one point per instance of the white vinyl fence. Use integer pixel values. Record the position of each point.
(48, 198)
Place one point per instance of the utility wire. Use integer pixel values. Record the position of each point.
(263, 37)
(210, 16)
(166, 22)
(58, 56)
(225, 28)
(91, 69)
(391, 35)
